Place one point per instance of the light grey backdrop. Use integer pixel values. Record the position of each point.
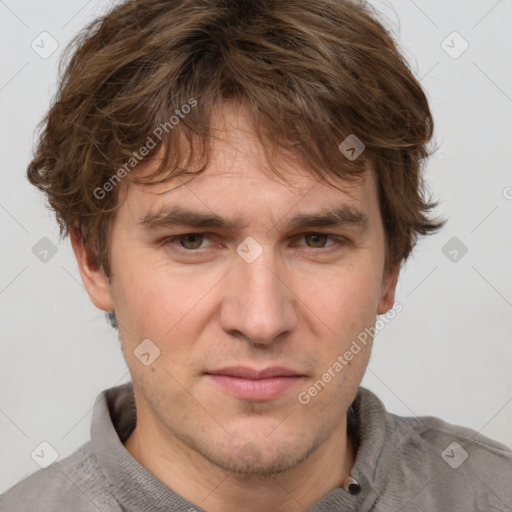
(448, 353)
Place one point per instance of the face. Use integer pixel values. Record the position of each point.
(244, 319)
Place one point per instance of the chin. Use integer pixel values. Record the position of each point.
(250, 461)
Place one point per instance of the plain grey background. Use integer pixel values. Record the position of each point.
(448, 353)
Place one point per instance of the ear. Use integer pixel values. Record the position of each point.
(95, 281)
(388, 291)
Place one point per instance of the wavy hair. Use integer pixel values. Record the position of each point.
(311, 73)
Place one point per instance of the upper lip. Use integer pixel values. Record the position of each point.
(245, 372)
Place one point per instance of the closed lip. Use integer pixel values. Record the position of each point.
(245, 372)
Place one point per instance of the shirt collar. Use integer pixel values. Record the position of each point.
(131, 484)
(114, 419)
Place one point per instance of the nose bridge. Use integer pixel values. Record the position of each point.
(257, 302)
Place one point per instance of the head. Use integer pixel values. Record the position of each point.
(244, 112)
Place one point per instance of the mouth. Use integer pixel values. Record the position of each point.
(253, 384)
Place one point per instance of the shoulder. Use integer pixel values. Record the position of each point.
(74, 483)
(452, 464)
(425, 463)
(431, 428)
(454, 444)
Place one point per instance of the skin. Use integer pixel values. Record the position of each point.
(294, 306)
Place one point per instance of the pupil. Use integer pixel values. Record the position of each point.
(190, 238)
(315, 238)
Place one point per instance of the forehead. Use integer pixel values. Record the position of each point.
(238, 174)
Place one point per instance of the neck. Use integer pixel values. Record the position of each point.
(196, 479)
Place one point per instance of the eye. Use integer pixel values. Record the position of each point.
(319, 239)
(316, 238)
(316, 242)
(189, 242)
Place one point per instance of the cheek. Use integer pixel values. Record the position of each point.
(143, 295)
(155, 300)
(345, 300)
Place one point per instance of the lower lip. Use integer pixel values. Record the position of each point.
(255, 389)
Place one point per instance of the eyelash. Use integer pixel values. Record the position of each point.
(339, 242)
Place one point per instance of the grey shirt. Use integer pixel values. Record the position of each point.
(410, 464)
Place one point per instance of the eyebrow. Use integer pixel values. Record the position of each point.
(178, 216)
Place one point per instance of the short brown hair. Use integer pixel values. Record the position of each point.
(311, 72)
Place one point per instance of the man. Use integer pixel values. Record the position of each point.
(241, 182)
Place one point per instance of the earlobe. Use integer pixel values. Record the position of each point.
(93, 276)
(388, 291)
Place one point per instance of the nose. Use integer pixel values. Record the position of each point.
(259, 304)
